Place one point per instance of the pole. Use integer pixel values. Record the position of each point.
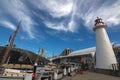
(10, 46)
(55, 75)
(34, 72)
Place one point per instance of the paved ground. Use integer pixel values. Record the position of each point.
(91, 76)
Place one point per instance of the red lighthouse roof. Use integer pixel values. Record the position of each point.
(99, 23)
(98, 20)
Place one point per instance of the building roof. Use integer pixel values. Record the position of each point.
(66, 51)
(86, 51)
(83, 52)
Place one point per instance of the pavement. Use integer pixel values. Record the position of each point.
(91, 76)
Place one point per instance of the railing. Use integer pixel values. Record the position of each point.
(115, 67)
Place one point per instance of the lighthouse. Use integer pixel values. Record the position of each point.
(105, 56)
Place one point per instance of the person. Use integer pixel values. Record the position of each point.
(69, 72)
(86, 66)
(82, 66)
(92, 67)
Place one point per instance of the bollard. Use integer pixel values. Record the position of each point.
(64, 72)
(69, 71)
(71, 68)
(76, 68)
(55, 75)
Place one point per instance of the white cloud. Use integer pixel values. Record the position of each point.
(56, 8)
(86, 10)
(107, 10)
(28, 26)
(59, 10)
(61, 26)
(113, 20)
(70, 10)
(72, 26)
(8, 24)
(79, 39)
(18, 11)
(55, 26)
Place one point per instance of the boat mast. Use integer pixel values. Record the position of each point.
(38, 57)
(10, 46)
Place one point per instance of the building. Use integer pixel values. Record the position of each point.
(66, 52)
(84, 55)
(104, 57)
(21, 56)
(117, 53)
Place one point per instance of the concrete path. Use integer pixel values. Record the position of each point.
(91, 76)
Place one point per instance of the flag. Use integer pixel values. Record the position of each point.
(38, 51)
(10, 38)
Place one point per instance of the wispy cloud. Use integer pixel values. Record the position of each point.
(108, 10)
(60, 15)
(55, 26)
(52, 33)
(57, 10)
(18, 11)
(80, 9)
(8, 24)
(79, 39)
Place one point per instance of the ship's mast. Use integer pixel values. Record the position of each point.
(10, 46)
(43, 53)
(38, 57)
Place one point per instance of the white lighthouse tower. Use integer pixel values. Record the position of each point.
(105, 56)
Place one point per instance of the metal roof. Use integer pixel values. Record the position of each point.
(86, 51)
(83, 52)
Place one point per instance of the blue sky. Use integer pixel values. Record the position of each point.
(57, 24)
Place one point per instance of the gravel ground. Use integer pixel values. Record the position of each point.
(91, 76)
